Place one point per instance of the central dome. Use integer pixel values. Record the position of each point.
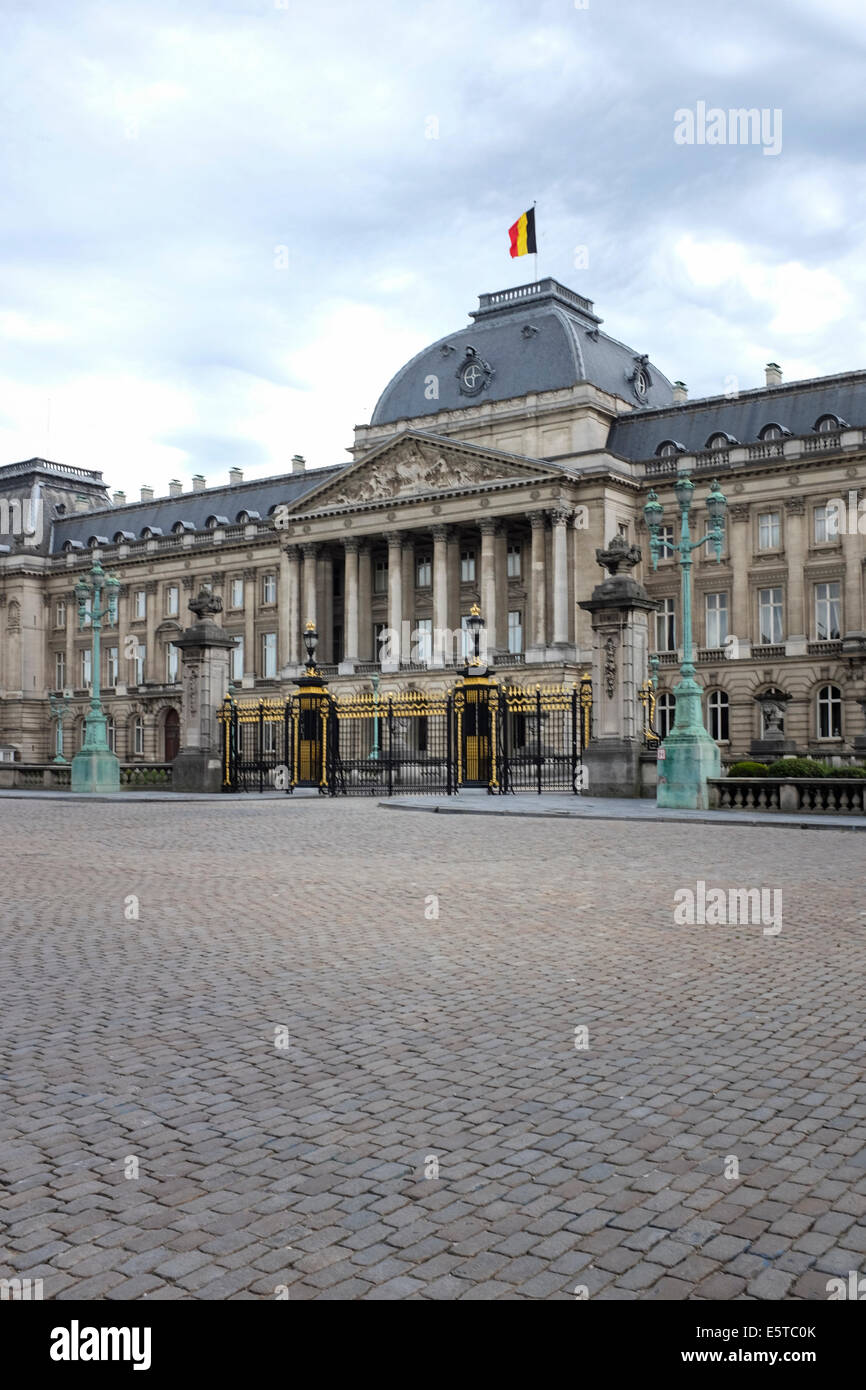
(538, 337)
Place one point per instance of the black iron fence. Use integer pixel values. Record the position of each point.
(480, 734)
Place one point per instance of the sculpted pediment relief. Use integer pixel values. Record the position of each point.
(411, 467)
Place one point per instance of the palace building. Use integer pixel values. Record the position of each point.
(495, 464)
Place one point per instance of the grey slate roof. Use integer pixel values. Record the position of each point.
(796, 406)
(192, 507)
(566, 347)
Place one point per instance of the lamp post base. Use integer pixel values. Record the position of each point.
(95, 770)
(690, 755)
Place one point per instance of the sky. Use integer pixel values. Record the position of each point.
(226, 224)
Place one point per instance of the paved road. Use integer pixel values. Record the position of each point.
(416, 1044)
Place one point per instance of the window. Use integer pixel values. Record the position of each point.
(771, 432)
(666, 626)
(827, 424)
(238, 660)
(380, 575)
(138, 736)
(667, 449)
(237, 592)
(337, 641)
(380, 641)
(111, 733)
(423, 572)
(666, 542)
(768, 531)
(86, 668)
(60, 613)
(666, 706)
(171, 600)
(59, 670)
(829, 712)
(269, 737)
(718, 711)
(827, 523)
(171, 656)
(513, 560)
(269, 588)
(88, 610)
(140, 608)
(827, 611)
(622, 529)
(424, 639)
(269, 655)
(467, 567)
(467, 642)
(515, 632)
(717, 441)
(770, 615)
(139, 663)
(111, 665)
(717, 619)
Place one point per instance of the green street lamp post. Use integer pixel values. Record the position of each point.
(688, 756)
(94, 767)
(58, 708)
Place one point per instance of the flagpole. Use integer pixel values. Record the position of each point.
(535, 254)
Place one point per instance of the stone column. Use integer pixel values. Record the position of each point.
(150, 657)
(349, 654)
(310, 551)
(71, 625)
(852, 593)
(796, 622)
(365, 603)
(441, 649)
(499, 638)
(536, 648)
(741, 544)
(487, 586)
(325, 582)
(560, 517)
(391, 662)
(453, 567)
(290, 621)
(205, 648)
(620, 609)
(251, 661)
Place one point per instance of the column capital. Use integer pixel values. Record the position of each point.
(150, 586)
(218, 577)
(488, 526)
(293, 550)
(538, 520)
(561, 515)
(442, 533)
(310, 549)
(250, 574)
(396, 539)
(351, 545)
(795, 506)
(739, 511)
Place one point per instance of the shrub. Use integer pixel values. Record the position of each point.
(796, 767)
(848, 772)
(747, 769)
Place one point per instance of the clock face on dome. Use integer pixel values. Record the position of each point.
(473, 374)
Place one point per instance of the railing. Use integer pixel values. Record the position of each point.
(712, 654)
(768, 653)
(654, 468)
(831, 796)
(58, 776)
(813, 444)
(765, 451)
(828, 648)
(546, 286)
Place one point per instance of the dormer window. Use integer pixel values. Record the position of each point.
(180, 526)
(719, 441)
(826, 424)
(244, 518)
(771, 432)
(668, 448)
(149, 533)
(214, 521)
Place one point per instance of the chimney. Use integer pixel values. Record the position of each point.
(299, 463)
(119, 499)
(773, 373)
(146, 493)
(175, 488)
(198, 482)
(681, 393)
(235, 476)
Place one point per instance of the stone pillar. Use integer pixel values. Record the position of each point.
(325, 582)
(250, 603)
(391, 660)
(499, 638)
(852, 593)
(453, 567)
(537, 645)
(349, 654)
(310, 551)
(441, 649)
(205, 648)
(741, 545)
(797, 621)
(71, 623)
(487, 586)
(150, 658)
(365, 603)
(560, 517)
(620, 609)
(290, 621)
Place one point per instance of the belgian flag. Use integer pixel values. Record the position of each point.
(522, 235)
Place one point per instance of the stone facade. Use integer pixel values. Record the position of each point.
(500, 502)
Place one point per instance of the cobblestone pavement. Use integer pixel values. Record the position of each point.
(414, 1041)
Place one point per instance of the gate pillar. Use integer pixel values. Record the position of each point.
(310, 753)
(204, 648)
(476, 706)
(619, 607)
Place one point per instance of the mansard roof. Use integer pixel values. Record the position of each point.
(536, 337)
(796, 406)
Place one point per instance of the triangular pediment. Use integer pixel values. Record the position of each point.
(414, 465)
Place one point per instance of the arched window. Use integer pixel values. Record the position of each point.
(829, 712)
(668, 448)
(826, 424)
(666, 705)
(773, 431)
(719, 441)
(718, 715)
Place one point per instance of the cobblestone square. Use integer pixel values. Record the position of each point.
(264, 1047)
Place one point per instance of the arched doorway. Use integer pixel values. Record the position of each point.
(171, 735)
